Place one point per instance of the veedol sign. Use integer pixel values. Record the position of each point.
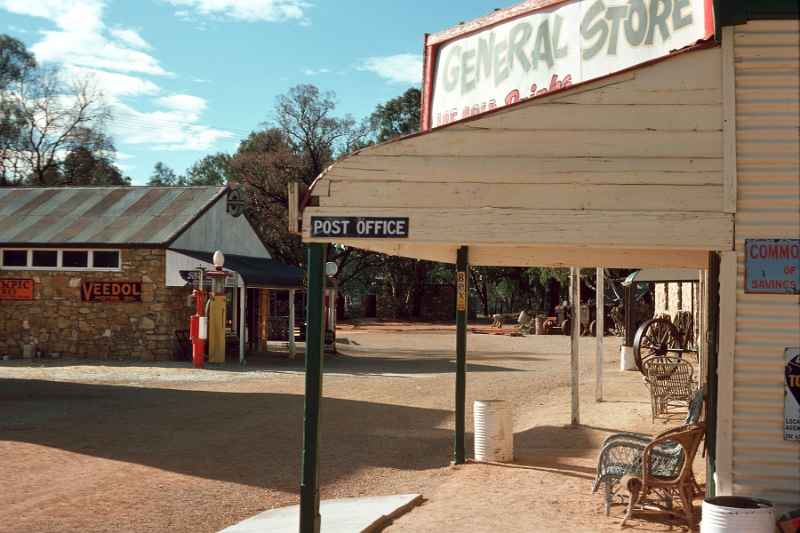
(555, 47)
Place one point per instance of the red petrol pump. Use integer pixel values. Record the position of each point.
(198, 325)
(198, 329)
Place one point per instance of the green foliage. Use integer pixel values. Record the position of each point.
(399, 116)
(164, 176)
(82, 167)
(213, 169)
(43, 118)
(15, 61)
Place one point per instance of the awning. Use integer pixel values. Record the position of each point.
(663, 275)
(620, 172)
(255, 271)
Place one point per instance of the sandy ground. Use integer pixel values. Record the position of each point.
(134, 447)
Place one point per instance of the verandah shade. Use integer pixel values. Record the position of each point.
(257, 271)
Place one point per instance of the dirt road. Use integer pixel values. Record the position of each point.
(128, 447)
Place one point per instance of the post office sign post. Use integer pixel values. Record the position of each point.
(360, 227)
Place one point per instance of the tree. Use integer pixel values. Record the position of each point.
(399, 116)
(305, 115)
(15, 61)
(82, 167)
(265, 163)
(304, 138)
(164, 176)
(213, 169)
(43, 117)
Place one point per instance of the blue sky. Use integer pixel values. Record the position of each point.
(190, 77)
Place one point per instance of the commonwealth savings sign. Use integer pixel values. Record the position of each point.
(522, 53)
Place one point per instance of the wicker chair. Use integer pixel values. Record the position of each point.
(671, 383)
(662, 478)
(621, 453)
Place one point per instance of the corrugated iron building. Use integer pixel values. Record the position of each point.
(761, 67)
(100, 271)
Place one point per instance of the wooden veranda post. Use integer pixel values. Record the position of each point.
(575, 297)
(600, 329)
(309, 485)
(462, 300)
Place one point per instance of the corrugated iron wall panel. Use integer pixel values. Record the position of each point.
(768, 206)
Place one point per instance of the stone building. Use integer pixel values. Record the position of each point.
(101, 272)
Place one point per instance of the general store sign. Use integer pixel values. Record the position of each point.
(555, 47)
(16, 289)
(772, 266)
(360, 227)
(111, 291)
(791, 428)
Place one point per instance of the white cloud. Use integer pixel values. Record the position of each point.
(65, 13)
(248, 10)
(117, 60)
(399, 68)
(185, 103)
(93, 49)
(316, 71)
(82, 38)
(131, 38)
(114, 84)
(165, 129)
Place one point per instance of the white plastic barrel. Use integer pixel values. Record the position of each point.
(626, 359)
(733, 513)
(494, 431)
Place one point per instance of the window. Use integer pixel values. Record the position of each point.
(15, 258)
(105, 259)
(50, 259)
(45, 258)
(74, 259)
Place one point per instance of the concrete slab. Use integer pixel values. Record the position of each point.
(347, 515)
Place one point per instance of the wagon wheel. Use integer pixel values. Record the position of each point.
(548, 326)
(593, 328)
(566, 327)
(657, 337)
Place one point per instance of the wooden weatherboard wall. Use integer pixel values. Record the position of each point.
(632, 162)
(758, 461)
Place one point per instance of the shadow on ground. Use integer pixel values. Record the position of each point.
(249, 438)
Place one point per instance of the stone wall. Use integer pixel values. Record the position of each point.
(58, 321)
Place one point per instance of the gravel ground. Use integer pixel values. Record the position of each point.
(132, 447)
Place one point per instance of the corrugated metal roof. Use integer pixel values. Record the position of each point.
(148, 216)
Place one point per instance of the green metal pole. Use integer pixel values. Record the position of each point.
(462, 299)
(309, 485)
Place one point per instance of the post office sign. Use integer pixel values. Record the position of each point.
(772, 266)
(16, 289)
(111, 291)
(360, 227)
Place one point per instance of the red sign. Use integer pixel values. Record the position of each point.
(111, 291)
(16, 289)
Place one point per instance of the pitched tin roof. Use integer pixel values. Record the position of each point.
(146, 216)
